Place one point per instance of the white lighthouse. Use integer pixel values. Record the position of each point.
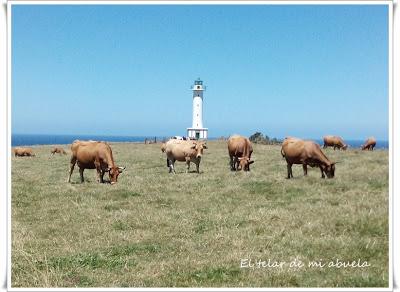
(197, 131)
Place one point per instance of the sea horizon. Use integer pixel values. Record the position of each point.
(61, 139)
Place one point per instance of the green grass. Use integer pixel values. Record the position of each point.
(155, 229)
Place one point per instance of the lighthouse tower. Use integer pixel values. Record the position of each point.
(197, 131)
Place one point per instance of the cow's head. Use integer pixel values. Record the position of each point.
(345, 146)
(244, 163)
(198, 147)
(114, 173)
(330, 170)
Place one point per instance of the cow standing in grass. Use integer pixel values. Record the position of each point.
(94, 155)
(369, 144)
(58, 150)
(240, 150)
(297, 151)
(183, 150)
(335, 142)
(23, 151)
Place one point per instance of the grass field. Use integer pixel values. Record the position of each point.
(155, 229)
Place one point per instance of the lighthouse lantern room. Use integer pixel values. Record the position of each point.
(197, 130)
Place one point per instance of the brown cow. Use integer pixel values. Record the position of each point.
(163, 146)
(182, 150)
(297, 151)
(94, 155)
(335, 142)
(58, 150)
(369, 144)
(240, 150)
(23, 151)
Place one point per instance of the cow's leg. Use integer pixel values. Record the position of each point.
(187, 163)
(289, 170)
(171, 166)
(322, 171)
(305, 169)
(231, 162)
(81, 174)
(102, 176)
(97, 164)
(71, 169)
(198, 165)
(236, 163)
(99, 175)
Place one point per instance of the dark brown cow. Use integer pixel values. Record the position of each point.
(23, 151)
(184, 150)
(369, 144)
(297, 151)
(335, 142)
(240, 150)
(58, 150)
(94, 155)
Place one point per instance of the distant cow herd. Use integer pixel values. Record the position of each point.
(98, 155)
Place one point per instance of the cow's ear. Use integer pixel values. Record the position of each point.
(251, 161)
(193, 147)
(120, 169)
(205, 146)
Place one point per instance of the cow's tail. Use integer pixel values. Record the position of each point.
(282, 153)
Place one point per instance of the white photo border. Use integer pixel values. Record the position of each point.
(393, 139)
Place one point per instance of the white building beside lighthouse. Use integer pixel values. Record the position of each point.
(197, 130)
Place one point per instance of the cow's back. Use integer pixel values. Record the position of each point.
(237, 145)
(85, 151)
(178, 149)
(334, 141)
(293, 149)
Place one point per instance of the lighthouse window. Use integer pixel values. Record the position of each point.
(198, 87)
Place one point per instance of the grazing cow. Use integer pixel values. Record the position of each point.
(335, 142)
(23, 151)
(369, 144)
(163, 147)
(94, 155)
(58, 150)
(297, 151)
(240, 150)
(182, 150)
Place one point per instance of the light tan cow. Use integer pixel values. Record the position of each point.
(335, 142)
(369, 144)
(58, 150)
(183, 150)
(23, 151)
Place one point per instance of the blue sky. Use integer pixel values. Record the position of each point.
(296, 70)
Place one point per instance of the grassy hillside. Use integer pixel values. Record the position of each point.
(155, 229)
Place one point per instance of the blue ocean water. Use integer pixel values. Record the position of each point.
(380, 144)
(28, 139)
